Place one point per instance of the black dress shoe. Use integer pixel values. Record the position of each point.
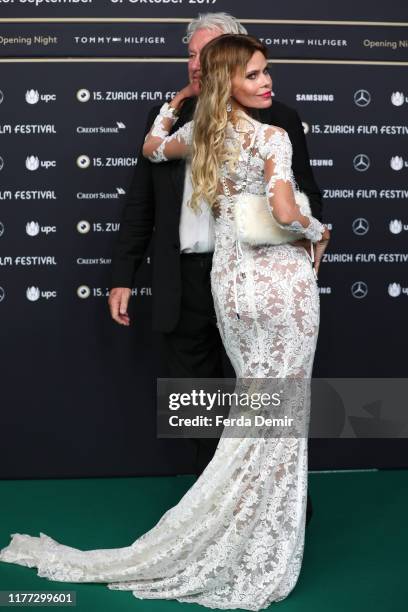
(309, 509)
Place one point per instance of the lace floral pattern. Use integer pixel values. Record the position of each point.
(183, 135)
(157, 129)
(236, 538)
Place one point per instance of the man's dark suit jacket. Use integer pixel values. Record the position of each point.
(153, 208)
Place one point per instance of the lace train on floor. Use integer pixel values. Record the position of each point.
(235, 540)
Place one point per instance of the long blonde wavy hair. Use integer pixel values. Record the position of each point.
(220, 60)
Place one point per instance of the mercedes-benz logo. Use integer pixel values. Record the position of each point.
(359, 289)
(2, 294)
(362, 97)
(361, 162)
(360, 226)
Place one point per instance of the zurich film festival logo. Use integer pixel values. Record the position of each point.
(2, 294)
(397, 162)
(1, 96)
(83, 292)
(1, 229)
(83, 161)
(360, 226)
(359, 290)
(1, 163)
(398, 98)
(362, 97)
(83, 95)
(361, 162)
(83, 227)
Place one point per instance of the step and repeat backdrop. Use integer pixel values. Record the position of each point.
(77, 79)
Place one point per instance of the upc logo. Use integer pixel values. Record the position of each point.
(397, 98)
(32, 228)
(394, 289)
(395, 226)
(33, 294)
(396, 162)
(32, 162)
(32, 96)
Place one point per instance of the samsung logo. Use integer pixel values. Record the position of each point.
(315, 97)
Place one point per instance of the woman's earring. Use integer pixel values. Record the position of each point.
(229, 107)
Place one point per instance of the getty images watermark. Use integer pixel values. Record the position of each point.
(243, 408)
(290, 407)
(240, 401)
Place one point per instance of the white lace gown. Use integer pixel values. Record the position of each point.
(236, 538)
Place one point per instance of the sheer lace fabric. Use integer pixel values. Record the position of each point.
(236, 538)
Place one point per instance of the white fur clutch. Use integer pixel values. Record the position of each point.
(255, 223)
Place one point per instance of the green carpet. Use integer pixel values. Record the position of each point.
(356, 544)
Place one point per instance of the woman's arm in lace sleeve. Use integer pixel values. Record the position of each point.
(159, 146)
(276, 150)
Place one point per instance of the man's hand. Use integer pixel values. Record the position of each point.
(303, 242)
(320, 248)
(118, 304)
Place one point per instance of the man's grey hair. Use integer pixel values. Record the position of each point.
(215, 21)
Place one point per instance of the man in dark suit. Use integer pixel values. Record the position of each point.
(183, 311)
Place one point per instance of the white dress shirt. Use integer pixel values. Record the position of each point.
(196, 230)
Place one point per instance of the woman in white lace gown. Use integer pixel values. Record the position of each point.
(235, 539)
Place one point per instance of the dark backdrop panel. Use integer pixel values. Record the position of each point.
(78, 391)
(140, 38)
(255, 9)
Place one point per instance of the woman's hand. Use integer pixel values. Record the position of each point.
(320, 247)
